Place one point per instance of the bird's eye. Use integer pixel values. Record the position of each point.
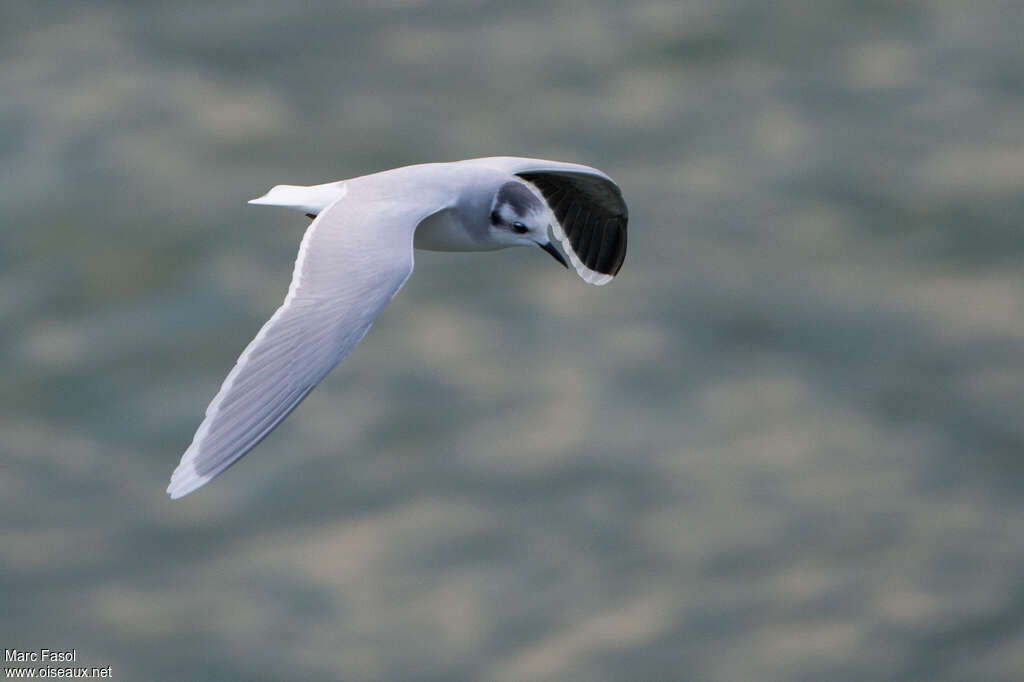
(519, 228)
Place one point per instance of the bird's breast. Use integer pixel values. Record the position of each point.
(445, 231)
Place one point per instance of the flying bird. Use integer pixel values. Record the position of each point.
(358, 252)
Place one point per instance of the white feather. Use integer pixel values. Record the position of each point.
(355, 256)
(311, 199)
(352, 261)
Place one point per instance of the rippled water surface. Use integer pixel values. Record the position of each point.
(786, 443)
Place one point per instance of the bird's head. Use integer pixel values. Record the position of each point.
(518, 217)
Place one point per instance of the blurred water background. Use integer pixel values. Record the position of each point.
(785, 444)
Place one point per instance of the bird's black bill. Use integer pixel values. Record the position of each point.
(550, 248)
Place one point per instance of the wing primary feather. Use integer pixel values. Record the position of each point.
(591, 216)
(593, 247)
(609, 238)
(585, 235)
(569, 224)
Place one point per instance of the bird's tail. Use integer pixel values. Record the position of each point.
(310, 200)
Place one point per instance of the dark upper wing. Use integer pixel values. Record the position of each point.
(590, 213)
(592, 218)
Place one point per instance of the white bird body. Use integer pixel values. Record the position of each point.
(358, 252)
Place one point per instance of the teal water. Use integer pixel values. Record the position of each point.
(785, 444)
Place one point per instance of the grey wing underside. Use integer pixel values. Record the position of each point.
(353, 260)
(590, 213)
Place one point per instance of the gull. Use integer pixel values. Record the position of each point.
(358, 252)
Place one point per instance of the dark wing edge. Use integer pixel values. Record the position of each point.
(591, 220)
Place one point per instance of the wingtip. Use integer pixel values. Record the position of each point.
(185, 480)
(176, 490)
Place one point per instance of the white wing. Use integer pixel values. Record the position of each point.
(353, 259)
(590, 213)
